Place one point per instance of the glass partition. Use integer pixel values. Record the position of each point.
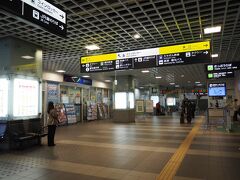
(4, 97)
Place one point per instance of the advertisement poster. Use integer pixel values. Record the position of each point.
(139, 106)
(62, 118)
(149, 106)
(3, 97)
(71, 114)
(52, 92)
(25, 97)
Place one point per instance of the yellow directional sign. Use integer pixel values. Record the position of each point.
(98, 58)
(198, 46)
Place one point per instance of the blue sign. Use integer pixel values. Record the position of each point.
(78, 80)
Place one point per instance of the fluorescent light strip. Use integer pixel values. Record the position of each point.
(145, 71)
(60, 71)
(27, 57)
(214, 29)
(158, 77)
(214, 55)
(86, 76)
(92, 47)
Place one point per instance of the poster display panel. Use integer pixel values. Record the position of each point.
(139, 106)
(149, 106)
(3, 97)
(25, 97)
(120, 100)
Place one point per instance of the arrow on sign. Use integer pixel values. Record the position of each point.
(61, 27)
(206, 52)
(62, 16)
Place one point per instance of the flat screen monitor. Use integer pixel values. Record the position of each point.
(217, 89)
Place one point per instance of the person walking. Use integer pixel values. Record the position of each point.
(52, 123)
(158, 108)
(235, 109)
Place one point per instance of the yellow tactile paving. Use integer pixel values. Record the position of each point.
(170, 169)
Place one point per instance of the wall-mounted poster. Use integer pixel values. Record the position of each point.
(139, 106)
(25, 97)
(52, 92)
(62, 117)
(149, 106)
(3, 97)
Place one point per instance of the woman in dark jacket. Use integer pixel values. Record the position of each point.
(52, 123)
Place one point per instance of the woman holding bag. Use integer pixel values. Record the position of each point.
(52, 123)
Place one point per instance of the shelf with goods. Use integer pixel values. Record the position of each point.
(71, 114)
(91, 111)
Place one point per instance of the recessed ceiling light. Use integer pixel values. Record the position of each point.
(107, 80)
(172, 83)
(141, 87)
(145, 71)
(136, 36)
(182, 75)
(214, 29)
(214, 55)
(27, 57)
(158, 77)
(92, 47)
(60, 71)
(197, 82)
(86, 76)
(177, 85)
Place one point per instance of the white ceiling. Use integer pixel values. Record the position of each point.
(111, 24)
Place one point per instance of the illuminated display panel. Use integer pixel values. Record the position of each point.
(25, 97)
(217, 89)
(171, 101)
(120, 100)
(131, 100)
(3, 97)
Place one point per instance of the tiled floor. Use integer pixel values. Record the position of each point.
(102, 150)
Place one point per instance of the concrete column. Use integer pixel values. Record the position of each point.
(124, 84)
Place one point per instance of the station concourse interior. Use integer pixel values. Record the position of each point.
(142, 89)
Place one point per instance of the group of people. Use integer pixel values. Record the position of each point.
(188, 110)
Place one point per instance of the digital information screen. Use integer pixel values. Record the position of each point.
(218, 75)
(223, 66)
(217, 89)
(39, 12)
(3, 97)
(25, 97)
(182, 54)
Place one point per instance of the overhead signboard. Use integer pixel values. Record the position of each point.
(190, 53)
(223, 66)
(13, 6)
(39, 12)
(220, 74)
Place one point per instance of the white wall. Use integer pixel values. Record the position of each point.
(49, 76)
(100, 84)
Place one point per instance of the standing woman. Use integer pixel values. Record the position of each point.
(52, 123)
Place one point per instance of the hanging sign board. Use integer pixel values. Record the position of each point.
(228, 66)
(220, 74)
(182, 54)
(39, 12)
